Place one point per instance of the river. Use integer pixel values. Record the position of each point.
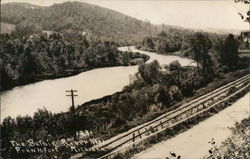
(193, 143)
(91, 85)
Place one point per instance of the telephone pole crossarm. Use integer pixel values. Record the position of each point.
(72, 95)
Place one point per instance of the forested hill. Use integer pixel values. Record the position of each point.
(78, 17)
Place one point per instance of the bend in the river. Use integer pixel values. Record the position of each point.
(91, 85)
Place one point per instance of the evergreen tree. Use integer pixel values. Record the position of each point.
(229, 53)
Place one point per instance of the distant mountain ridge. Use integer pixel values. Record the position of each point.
(80, 17)
(74, 17)
(23, 4)
(223, 31)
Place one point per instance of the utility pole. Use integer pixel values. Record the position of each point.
(72, 110)
(72, 96)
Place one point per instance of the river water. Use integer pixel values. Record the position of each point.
(193, 143)
(91, 85)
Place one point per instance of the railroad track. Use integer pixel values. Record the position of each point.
(172, 117)
(167, 120)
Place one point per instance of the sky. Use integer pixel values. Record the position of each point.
(200, 14)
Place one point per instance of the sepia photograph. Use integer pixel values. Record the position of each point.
(125, 79)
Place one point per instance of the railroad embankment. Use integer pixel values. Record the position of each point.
(183, 122)
(217, 95)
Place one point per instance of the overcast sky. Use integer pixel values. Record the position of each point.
(191, 14)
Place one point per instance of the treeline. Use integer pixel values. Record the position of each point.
(28, 59)
(165, 42)
(215, 55)
(217, 49)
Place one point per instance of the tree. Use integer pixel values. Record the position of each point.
(200, 46)
(148, 42)
(30, 62)
(162, 46)
(175, 93)
(246, 17)
(6, 78)
(150, 72)
(27, 28)
(229, 53)
(175, 68)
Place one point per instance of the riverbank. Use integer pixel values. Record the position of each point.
(106, 81)
(181, 53)
(71, 72)
(163, 59)
(38, 57)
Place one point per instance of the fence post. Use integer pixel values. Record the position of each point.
(146, 132)
(133, 137)
(161, 124)
(139, 134)
(151, 129)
